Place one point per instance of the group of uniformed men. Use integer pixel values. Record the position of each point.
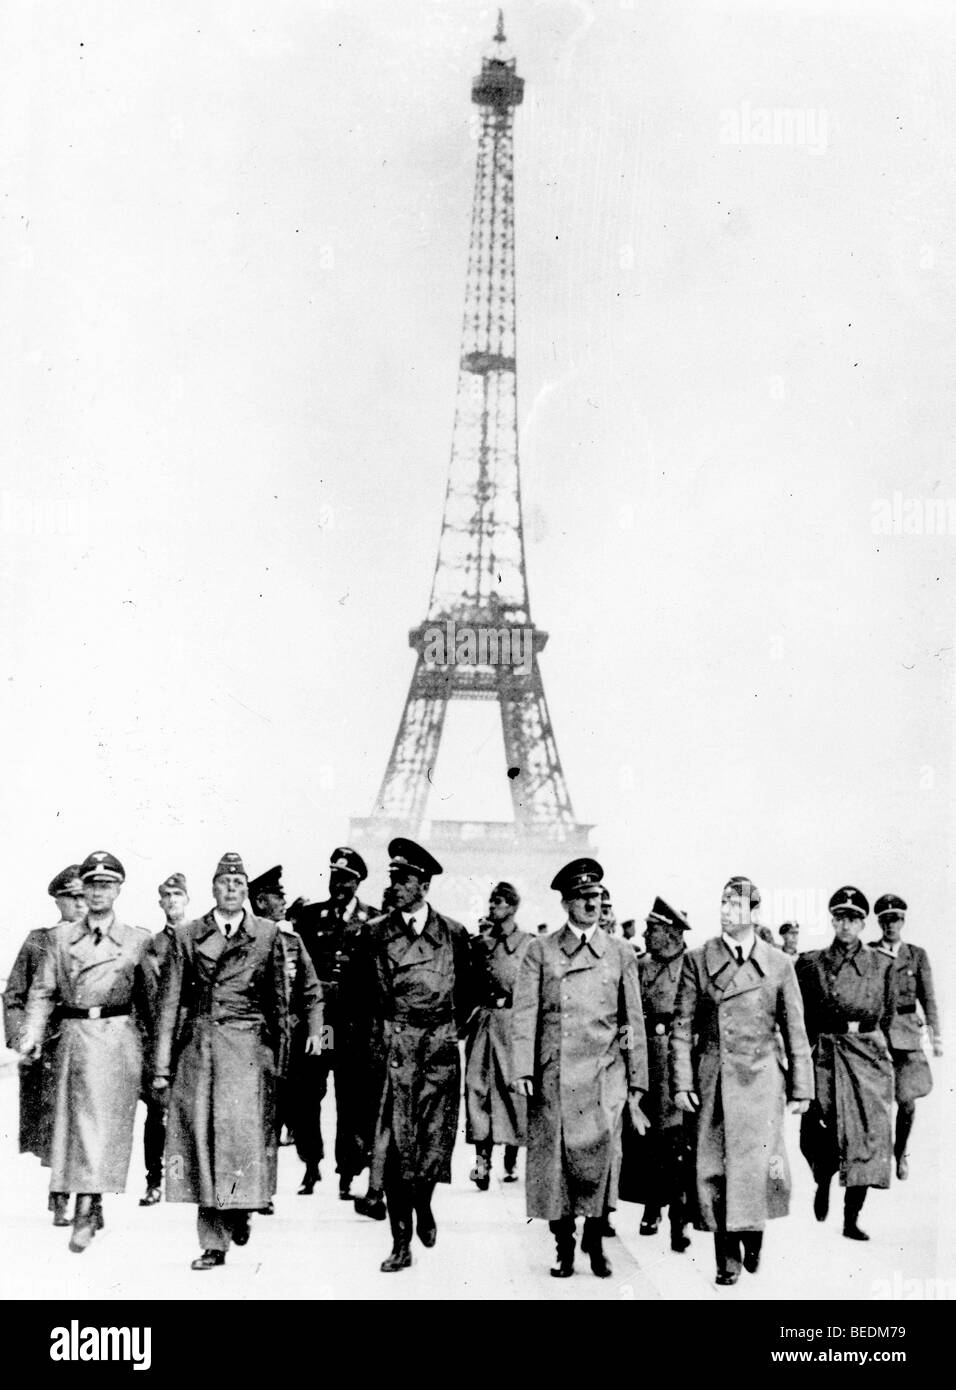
(661, 1079)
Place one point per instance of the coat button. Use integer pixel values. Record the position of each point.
(395, 1062)
(659, 1029)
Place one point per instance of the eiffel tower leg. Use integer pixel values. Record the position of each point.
(539, 792)
(404, 791)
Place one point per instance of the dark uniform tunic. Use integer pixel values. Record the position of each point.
(222, 1027)
(154, 1128)
(654, 1168)
(914, 990)
(331, 940)
(37, 1080)
(492, 1109)
(849, 998)
(418, 994)
(99, 1058)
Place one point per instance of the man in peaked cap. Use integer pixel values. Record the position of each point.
(655, 1166)
(849, 994)
(735, 991)
(174, 900)
(331, 931)
(221, 1035)
(494, 1113)
(92, 978)
(416, 988)
(789, 934)
(578, 1054)
(38, 1079)
(914, 990)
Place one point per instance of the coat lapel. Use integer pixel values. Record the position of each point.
(577, 954)
(210, 942)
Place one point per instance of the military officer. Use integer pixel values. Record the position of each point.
(849, 994)
(914, 990)
(222, 1026)
(608, 920)
(92, 976)
(655, 1167)
(415, 975)
(173, 899)
(330, 931)
(735, 992)
(38, 1079)
(789, 935)
(578, 1055)
(494, 1113)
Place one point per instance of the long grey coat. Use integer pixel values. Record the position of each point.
(98, 1060)
(724, 1047)
(221, 1033)
(577, 1030)
(38, 1080)
(492, 1109)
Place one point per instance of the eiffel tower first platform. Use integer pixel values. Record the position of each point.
(479, 616)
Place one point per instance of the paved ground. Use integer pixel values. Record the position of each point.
(318, 1248)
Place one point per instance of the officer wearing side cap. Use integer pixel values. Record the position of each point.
(331, 932)
(38, 1079)
(221, 1032)
(655, 1165)
(914, 991)
(737, 996)
(416, 980)
(494, 1113)
(849, 995)
(174, 900)
(93, 977)
(578, 1055)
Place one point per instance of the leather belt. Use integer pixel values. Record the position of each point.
(853, 1025)
(98, 1011)
(906, 1009)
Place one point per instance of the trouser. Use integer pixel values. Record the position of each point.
(404, 1196)
(727, 1248)
(484, 1148)
(154, 1136)
(905, 1115)
(215, 1227)
(311, 1082)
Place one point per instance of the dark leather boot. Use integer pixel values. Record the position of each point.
(592, 1244)
(309, 1179)
(650, 1221)
(371, 1205)
(241, 1228)
(511, 1162)
(59, 1204)
(401, 1255)
(345, 1187)
(852, 1206)
(209, 1259)
(752, 1242)
(425, 1224)
(98, 1210)
(84, 1223)
(821, 1200)
(563, 1232)
(153, 1196)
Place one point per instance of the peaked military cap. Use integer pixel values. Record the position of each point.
(744, 888)
(405, 854)
(788, 926)
(230, 863)
(506, 891)
(349, 861)
(67, 882)
(580, 873)
(849, 902)
(269, 882)
(102, 864)
(662, 914)
(175, 881)
(888, 903)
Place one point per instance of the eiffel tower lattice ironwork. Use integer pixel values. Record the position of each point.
(480, 582)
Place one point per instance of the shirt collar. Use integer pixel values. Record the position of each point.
(584, 933)
(227, 919)
(746, 942)
(350, 911)
(890, 948)
(415, 921)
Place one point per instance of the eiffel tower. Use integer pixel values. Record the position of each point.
(478, 615)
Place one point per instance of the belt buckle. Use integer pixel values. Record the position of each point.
(95, 1011)
(853, 1026)
(501, 1001)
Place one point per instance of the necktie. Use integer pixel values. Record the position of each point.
(97, 936)
(740, 954)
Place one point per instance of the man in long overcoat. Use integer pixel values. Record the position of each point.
(735, 991)
(655, 1168)
(331, 932)
(38, 1079)
(416, 978)
(495, 1114)
(92, 978)
(914, 991)
(222, 1026)
(849, 993)
(578, 1055)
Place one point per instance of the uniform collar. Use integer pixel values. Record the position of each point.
(890, 949)
(746, 942)
(591, 940)
(839, 956)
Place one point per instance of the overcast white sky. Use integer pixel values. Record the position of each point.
(233, 252)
